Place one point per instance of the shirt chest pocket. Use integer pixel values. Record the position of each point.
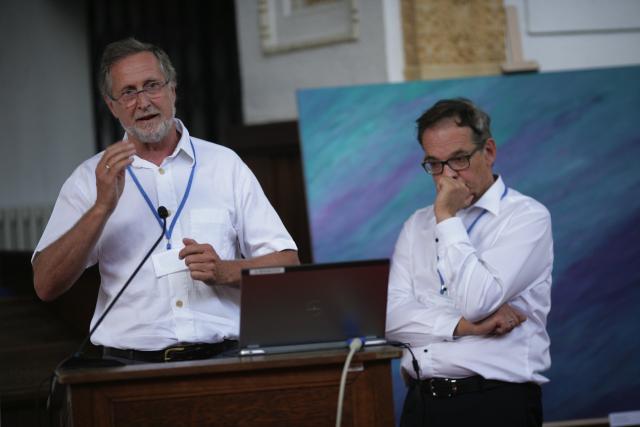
(214, 226)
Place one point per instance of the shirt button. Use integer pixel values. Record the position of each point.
(437, 240)
(161, 171)
(179, 304)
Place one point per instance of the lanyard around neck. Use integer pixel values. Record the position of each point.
(443, 288)
(185, 196)
(484, 211)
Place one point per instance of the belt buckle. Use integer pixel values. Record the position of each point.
(168, 352)
(451, 386)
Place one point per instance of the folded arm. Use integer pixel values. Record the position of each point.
(521, 256)
(413, 319)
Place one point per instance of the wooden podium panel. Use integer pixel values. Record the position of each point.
(299, 389)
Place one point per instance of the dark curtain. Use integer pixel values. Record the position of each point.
(200, 38)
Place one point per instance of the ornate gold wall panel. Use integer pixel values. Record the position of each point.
(453, 38)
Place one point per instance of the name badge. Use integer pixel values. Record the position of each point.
(168, 262)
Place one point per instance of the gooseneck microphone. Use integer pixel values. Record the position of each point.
(79, 360)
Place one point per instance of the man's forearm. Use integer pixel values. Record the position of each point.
(282, 258)
(59, 265)
(501, 322)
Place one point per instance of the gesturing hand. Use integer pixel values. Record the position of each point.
(205, 265)
(110, 174)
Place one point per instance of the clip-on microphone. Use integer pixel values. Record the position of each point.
(79, 360)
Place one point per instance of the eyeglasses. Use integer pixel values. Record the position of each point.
(458, 163)
(153, 89)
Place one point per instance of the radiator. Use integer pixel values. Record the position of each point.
(21, 228)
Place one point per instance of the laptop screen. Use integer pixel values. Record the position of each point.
(312, 306)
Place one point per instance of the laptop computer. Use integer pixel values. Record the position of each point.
(313, 306)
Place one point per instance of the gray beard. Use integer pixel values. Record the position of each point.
(151, 136)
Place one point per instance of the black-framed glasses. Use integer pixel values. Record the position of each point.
(458, 163)
(153, 89)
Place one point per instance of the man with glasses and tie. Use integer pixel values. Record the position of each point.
(184, 302)
(470, 284)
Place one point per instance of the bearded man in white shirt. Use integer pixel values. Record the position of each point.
(184, 302)
(470, 284)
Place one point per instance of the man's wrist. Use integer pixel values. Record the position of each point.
(460, 329)
(466, 328)
(442, 215)
(100, 211)
(231, 272)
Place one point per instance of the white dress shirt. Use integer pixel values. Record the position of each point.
(506, 257)
(226, 208)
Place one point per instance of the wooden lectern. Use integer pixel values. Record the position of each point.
(299, 389)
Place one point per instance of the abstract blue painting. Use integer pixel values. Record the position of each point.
(569, 139)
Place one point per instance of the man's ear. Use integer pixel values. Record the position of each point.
(490, 151)
(173, 91)
(111, 104)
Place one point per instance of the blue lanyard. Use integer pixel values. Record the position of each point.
(443, 288)
(169, 231)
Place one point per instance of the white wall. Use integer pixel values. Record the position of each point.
(46, 112)
(578, 34)
(269, 81)
(558, 34)
(45, 108)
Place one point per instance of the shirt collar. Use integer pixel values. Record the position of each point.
(183, 147)
(490, 200)
(184, 144)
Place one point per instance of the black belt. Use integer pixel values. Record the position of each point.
(450, 387)
(173, 353)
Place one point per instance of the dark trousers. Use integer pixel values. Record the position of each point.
(509, 405)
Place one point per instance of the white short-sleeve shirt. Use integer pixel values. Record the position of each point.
(226, 208)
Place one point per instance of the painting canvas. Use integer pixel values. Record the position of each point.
(569, 139)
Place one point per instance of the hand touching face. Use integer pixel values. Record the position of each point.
(460, 187)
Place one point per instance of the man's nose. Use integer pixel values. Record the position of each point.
(447, 171)
(142, 100)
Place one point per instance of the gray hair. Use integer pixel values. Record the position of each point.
(118, 50)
